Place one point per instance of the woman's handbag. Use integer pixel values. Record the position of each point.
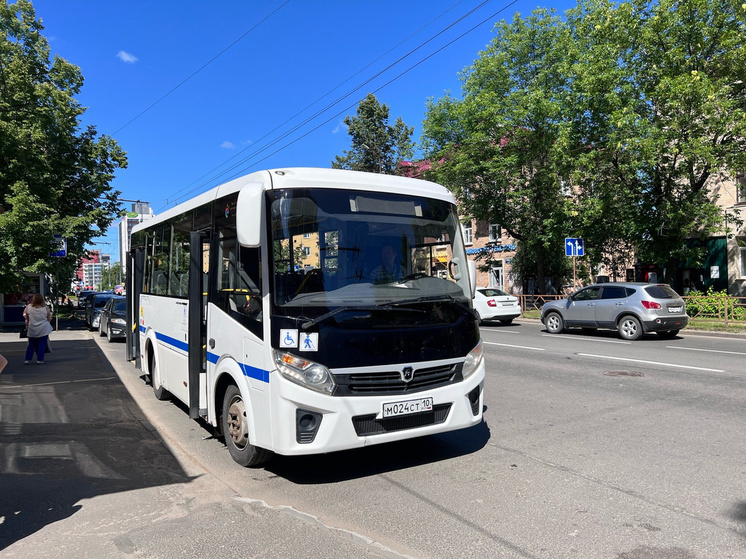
(24, 332)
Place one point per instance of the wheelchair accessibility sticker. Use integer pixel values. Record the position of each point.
(288, 338)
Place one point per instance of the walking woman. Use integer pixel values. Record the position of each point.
(39, 327)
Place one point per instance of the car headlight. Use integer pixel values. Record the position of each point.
(304, 372)
(473, 361)
(118, 321)
(96, 320)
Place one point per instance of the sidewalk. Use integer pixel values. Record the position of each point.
(85, 475)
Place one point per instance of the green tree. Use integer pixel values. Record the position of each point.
(612, 124)
(54, 174)
(659, 104)
(377, 147)
(112, 276)
(501, 148)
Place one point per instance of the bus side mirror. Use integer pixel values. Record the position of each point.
(249, 212)
(472, 277)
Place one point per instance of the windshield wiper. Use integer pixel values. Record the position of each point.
(323, 317)
(387, 306)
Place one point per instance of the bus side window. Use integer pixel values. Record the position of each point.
(240, 293)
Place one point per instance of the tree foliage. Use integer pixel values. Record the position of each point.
(54, 173)
(611, 123)
(377, 146)
(500, 148)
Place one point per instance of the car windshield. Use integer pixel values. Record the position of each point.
(98, 303)
(120, 305)
(492, 293)
(348, 248)
(661, 291)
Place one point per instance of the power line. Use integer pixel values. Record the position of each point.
(338, 100)
(383, 86)
(276, 128)
(205, 65)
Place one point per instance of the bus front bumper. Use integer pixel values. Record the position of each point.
(314, 423)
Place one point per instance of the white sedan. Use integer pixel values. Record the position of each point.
(494, 304)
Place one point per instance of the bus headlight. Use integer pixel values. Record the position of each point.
(473, 361)
(304, 372)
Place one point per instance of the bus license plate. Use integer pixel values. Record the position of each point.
(392, 409)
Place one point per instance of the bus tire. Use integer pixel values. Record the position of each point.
(235, 427)
(155, 381)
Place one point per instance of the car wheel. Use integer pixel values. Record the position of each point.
(630, 328)
(479, 318)
(554, 323)
(235, 424)
(101, 331)
(108, 335)
(155, 381)
(506, 321)
(667, 335)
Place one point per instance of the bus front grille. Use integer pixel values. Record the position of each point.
(368, 424)
(371, 384)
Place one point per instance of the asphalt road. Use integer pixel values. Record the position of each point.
(591, 447)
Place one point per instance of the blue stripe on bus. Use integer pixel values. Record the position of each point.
(178, 344)
(248, 370)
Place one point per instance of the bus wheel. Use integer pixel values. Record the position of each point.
(155, 380)
(235, 424)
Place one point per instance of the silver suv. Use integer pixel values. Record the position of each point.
(629, 308)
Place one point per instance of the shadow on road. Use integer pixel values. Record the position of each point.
(69, 431)
(378, 459)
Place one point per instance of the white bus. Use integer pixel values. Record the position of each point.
(303, 311)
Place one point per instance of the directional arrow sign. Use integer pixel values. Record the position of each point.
(574, 247)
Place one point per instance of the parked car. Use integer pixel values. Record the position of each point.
(83, 297)
(113, 320)
(629, 308)
(94, 307)
(491, 304)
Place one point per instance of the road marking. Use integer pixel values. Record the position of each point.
(651, 362)
(502, 331)
(708, 350)
(516, 346)
(585, 339)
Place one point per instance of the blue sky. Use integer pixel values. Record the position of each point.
(199, 93)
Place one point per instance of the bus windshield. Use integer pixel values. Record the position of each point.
(336, 248)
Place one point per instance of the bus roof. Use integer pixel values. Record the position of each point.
(309, 177)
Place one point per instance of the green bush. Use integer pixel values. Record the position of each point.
(712, 303)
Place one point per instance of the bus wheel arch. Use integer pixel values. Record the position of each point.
(154, 373)
(235, 427)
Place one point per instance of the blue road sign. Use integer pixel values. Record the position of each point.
(59, 247)
(574, 247)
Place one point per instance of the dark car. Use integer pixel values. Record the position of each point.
(629, 308)
(113, 319)
(94, 307)
(85, 295)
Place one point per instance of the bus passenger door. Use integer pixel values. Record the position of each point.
(198, 290)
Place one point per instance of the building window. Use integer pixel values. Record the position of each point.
(741, 189)
(742, 253)
(307, 251)
(496, 233)
(468, 239)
